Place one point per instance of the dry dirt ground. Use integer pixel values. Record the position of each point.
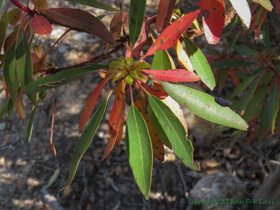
(27, 167)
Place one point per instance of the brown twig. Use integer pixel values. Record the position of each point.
(95, 59)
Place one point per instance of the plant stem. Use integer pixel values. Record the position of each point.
(22, 7)
(131, 95)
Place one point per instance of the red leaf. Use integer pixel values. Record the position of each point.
(116, 118)
(90, 104)
(234, 77)
(120, 133)
(41, 25)
(165, 10)
(117, 110)
(158, 149)
(80, 20)
(213, 19)
(277, 6)
(172, 33)
(177, 75)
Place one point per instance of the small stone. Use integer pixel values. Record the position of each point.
(221, 186)
(2, 126)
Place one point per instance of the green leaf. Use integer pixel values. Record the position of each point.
(234, 39)
(255, 104)
(229, 64)
(200, 64)
(241, 105)
(53, 178)
(86, 139)
(243, 85)
(204, 106)
(265, 3)
(136, 18)
(272, 106)
(60, 78)
(96, 4)
(161, 61)
(30, 124)
(243, 50)
(3, 26)
(10, 106)
(4, 107)
(263, 122)
(267, 78)
(158, 128)
(175, 132)
(23, 59)
(139, 147)
(24, 62)
(10, 73)
(1, 7)
(266, 36)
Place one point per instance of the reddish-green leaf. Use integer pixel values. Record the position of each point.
(200, 64)
(172, 33)
(175, 132)
(177, 75)
(157, 93)
(41, 25)
(265, 3)
(142, 39)
(136, 18)
(19, 106)
(86, 139)
(272, 107)
(82, 21)
(213, 19)
(94, 3)
(116, 25)
(115, 119)
(158, 150)
(243, 11)
(165, 10)
(204, 106)
(90, 104)
(139, 150)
